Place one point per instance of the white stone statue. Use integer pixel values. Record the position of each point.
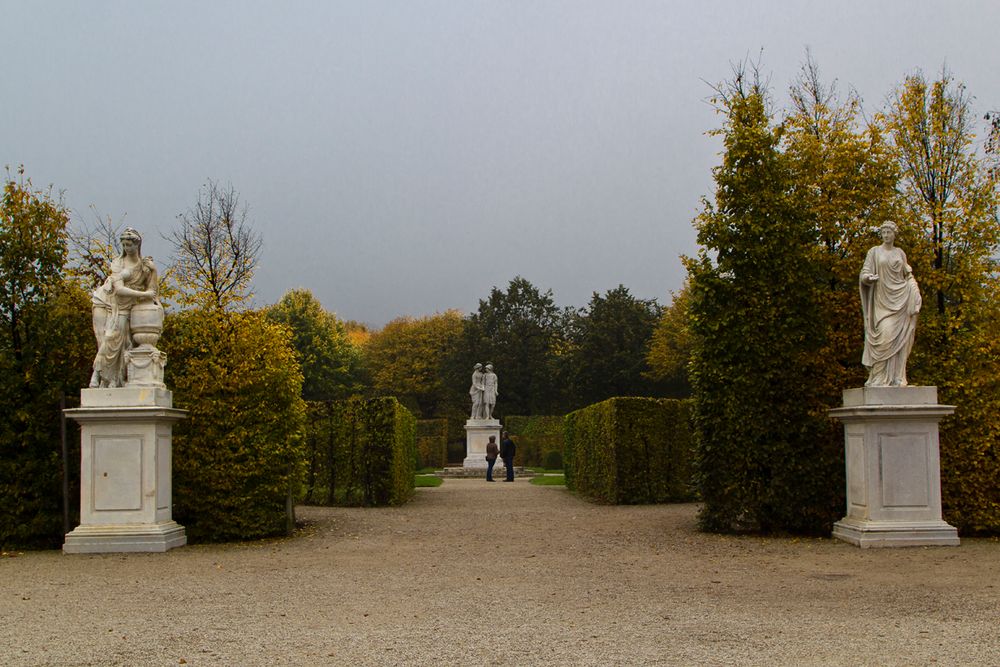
(490, 391)
(476, 392)
(132, 285)
(890, 301)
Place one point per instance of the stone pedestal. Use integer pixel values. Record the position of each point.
(125, 471)
(893, 468)
(477, 434)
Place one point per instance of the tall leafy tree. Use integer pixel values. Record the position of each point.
(407, 359)
(845, 176)
(46, 346)
(951, 200)
(520, 331)
(754, 308)
(610, 339)
(331, 364)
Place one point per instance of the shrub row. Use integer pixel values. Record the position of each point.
(539, 439)
(630, 451)
(238, 456)
(432, 443)
(361, 452)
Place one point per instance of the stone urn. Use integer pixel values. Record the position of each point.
(146, 323)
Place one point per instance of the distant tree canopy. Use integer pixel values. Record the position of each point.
(330, 361)
(609, 343)
(407, 359)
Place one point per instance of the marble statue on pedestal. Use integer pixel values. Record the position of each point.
(126, 312)
(126, 418)
(890, 302)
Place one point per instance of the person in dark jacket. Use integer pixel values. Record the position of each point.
(491, 457)
(507, 449)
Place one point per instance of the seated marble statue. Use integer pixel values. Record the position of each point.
(133, 278)
(890, 302)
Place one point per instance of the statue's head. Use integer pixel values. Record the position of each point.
(890, 225)
(489, 366)
(478, 367)
(129, 234)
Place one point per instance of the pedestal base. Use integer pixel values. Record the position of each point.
(893, 468)
(121, 538)
(126, 499)
(866, 534)
(477, 434)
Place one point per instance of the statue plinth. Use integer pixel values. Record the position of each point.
(125, 471)
(893, 468)
(477, 435)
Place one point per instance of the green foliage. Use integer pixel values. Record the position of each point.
(364, 452)
(46, 347)
(553, 460)
(238, 457)
(330, 362)
(406, 359)
(537, 438)
(630, 451)
(609, 342)
(768, 458)
(432, 442)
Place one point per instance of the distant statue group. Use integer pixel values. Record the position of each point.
(132, 284)
(484, 391)
(890, 302)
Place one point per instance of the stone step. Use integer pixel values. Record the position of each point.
(498, 472)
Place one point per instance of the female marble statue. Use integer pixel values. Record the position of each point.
(890, 301)
(133, 278)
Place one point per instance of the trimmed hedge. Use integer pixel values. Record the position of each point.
(432, 443)
(361, 452)
(630, 451)
(539, 439)
(238, 456)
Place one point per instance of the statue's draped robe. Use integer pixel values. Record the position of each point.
(889, 307)
(114, 336)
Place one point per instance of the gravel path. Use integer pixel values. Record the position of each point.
(472, 573)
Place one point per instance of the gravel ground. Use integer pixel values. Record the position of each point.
(472, 573)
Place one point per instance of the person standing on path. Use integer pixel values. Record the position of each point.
(507, 449)
(491, 457)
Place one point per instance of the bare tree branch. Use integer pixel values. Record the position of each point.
(215, 249)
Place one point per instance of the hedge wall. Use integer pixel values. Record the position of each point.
(238, 457)
(630, 451)
(432, 443)
(361, 452)
(539, 439)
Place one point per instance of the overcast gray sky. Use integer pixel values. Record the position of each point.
(403, 157)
